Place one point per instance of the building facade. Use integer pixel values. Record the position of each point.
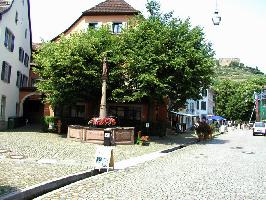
(112, 13)
(15, 55)
(195, 110)
(203, 107)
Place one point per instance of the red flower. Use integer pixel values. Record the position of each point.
(106, 121)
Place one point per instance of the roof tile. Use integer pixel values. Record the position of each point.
(111, 7)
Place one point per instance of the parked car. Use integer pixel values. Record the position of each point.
(259, 128)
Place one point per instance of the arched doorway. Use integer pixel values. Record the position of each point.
(31, 106)
(33, 109)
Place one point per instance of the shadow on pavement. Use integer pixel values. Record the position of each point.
(176, 139)
(213, 141)
(33, 128)
(27, 128)
(6, 189)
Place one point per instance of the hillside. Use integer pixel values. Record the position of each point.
(237, 72)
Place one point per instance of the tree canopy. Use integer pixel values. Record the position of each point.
(70, 69)
(155, 58)
(235, 100)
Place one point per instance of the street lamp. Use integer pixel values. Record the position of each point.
(216, 18)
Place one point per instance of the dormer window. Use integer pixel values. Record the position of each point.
(117, 27)
(93, 25)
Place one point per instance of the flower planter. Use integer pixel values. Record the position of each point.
(120, 135)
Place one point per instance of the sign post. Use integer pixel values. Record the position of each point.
(147, 126)
(104, 158)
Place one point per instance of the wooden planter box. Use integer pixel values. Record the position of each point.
(120, 135)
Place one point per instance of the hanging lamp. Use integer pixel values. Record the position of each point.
(216, 18)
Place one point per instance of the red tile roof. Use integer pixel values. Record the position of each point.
(111, 7)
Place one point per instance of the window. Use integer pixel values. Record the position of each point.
(26, 60)
(24, 81)
(126, 113)
(203, 105)
(6, 72)
(117, 27)
(204, 92)
(16, 17)
(197, 105)
(93, 25)
(21, 55)
(191, 107)
(9, 40)
(2, 108)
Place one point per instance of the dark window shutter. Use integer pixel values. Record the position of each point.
(9, 73)
(3, 71)
(18, 78)
(6, 38)
(12, 43)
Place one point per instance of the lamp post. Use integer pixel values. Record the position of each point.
(103, 112)
(216, 18)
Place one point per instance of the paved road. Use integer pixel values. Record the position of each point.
(46, 156)
(232, 166)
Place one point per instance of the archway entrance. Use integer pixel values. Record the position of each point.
(33, 109)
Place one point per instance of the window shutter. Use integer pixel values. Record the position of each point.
(26, 81)
(3, 71)
(9, 73)
(12, 43)
(21, 80)
(6, 38)
(18, 78)
(110, 26)
(124, 25)
(100, 24)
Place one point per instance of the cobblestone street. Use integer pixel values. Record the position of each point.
(232, 166)
(29, 157)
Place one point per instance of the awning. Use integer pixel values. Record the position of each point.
(184, 114)
(214, 117)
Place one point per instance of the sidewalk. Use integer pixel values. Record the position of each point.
(30, 158)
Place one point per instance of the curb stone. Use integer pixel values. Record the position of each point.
(43, 188)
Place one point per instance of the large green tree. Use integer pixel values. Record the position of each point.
(71, 68)
(164, 57)
(154, 58)
(235, 100)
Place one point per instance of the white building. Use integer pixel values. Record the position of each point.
(195, 110)
(15, 55)
(203, 107)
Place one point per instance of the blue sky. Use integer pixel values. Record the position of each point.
(241, 34)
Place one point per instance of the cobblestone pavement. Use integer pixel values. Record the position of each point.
(29, 157)
(232, 166)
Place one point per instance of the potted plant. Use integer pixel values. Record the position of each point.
(203, 131)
